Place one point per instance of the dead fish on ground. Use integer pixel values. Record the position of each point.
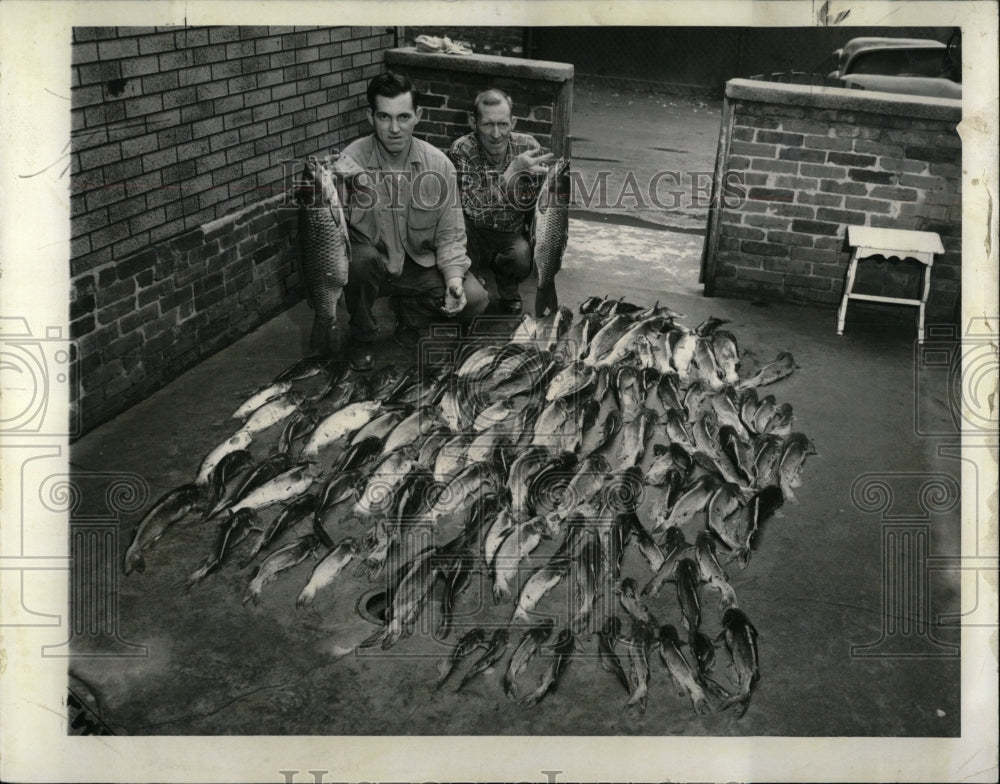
(610, 633)
(680, 671)
(340, 423)
(675, 546)
(517, 544)
(283, 487)
(262, 472)
(467, 643)
(170, 508)
(562, 649)
(326, 570)
(262, 396)
(239, 440)
(539, 583)
(783, 366)
(296, 510)
(727, 353)
(495, 650)
(272, 412)
(741, 641)
(639, 646)
(280, 560)
(528, 646)
(793, 458)
(231, 532)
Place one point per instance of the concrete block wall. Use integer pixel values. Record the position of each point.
(542, 93)
(813, 161)
(503, 41)
(183, 145)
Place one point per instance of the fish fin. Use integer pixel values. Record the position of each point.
(546, 298)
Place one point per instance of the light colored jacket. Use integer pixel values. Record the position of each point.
(428, 211)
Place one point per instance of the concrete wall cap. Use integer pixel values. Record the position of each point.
(915, 106)
(494, 65)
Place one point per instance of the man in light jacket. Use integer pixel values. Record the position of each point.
(406, 226)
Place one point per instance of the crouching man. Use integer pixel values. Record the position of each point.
(406, 226)
(498, 173)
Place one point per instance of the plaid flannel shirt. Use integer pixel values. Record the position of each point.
(487, 204)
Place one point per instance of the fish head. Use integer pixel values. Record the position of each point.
(627, 588)
(650, 377)
(674, 537)
(668, 635)
(557, 180)
(735, 619)
(704, 541)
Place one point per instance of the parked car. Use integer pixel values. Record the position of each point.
(915, 66)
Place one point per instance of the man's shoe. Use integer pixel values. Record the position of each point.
(510, 307)
(407, 337)
(360, 357)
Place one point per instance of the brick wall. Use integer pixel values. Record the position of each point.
(179, 136)
(504, 41)
(542, 93)
(815, 160)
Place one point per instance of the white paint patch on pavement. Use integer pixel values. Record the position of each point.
(668, 261)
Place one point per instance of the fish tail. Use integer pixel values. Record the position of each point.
(739, 701)
(133, 562)
(305, 598)
(509, 686)
(253, 592)
(500, 593)
(546, 299)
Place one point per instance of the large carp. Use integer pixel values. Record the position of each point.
(550, 232)
(324, 251)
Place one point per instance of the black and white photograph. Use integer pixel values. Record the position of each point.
(499, 391)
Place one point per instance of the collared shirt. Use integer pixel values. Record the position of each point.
(487, 202)
(415, 211)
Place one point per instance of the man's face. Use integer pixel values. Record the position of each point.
(493, 126)
(393, 120)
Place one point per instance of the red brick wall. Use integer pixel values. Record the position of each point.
(179, 135)
(541, 92)
(813, 162)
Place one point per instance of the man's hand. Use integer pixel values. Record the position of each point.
(531, 161)
(454, 296)
(343, 166)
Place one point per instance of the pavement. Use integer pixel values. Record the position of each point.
(644, 157)
(814, 587)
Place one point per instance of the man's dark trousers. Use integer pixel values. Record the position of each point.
(507, 253)
(416, 294)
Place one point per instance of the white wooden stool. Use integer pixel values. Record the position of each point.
(892, 244)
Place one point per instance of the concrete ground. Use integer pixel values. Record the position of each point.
(813, 589)
(653, 152)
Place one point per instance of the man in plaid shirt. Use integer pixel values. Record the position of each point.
(498, 172)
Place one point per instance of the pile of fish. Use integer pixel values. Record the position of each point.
(587, 480)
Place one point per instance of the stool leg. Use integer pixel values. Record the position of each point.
(923, 304)
(848, 287)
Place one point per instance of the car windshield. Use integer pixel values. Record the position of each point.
(903, 62)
